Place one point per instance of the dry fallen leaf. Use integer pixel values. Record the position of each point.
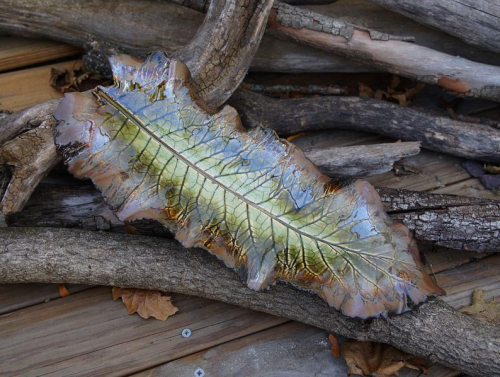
(365, 91)
(492, 169)
(335, 345)
(130, 229)
(296, 136)
(63, 291)
(403, 96)
(489, 311)
(378, 359)
(145, 303)
(75, 80)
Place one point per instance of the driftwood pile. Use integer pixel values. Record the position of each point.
(219, 48)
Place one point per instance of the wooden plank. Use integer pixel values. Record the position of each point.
(90, 334)
(292, 350)
(445, 259)
(469, 187)
(460, 282)
(18, 296)
(24, 88)
(18, 52)
(436, 171)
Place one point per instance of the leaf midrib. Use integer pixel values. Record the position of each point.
(117, 105)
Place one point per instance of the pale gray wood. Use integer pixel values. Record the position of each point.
(435, 330)
(475, 21)
(289, 116)
(291, 350)
(362, 160)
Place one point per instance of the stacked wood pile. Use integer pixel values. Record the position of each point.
(421, 180)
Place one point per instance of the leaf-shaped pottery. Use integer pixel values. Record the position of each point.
(250, 198)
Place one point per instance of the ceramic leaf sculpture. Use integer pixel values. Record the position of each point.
(250, 198)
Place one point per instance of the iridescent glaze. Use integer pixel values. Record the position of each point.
(250, 198)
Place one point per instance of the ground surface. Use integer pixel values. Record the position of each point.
(87, 333)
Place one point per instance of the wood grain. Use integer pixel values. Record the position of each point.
(291, 349)
(475, 22)
(18, 52)
(90, 334)
(27, 87)
(18, 296)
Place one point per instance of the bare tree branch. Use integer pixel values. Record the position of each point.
(434, 330)
(476, 22)
(289, 116)
(386, 52)
(220, 53)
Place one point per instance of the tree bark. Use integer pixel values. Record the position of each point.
(25, 120)
(170, 26)
(360, 160)
(434, 330)
(24, 162)
(476, 22)
(289, 116)
(219, 55)
(455, 222)
(388, 53)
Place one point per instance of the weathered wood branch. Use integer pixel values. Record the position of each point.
(442, 220)
(388, 53)
(219, 55)
(360, 160)
(12, 125)
(476, 22)
(434, 330)
(455, 222)
(26, 159)
(289, 116)
(170, 26)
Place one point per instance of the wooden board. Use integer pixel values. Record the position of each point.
(90, 334)
(292, 350)
(18, 296)
(460, 282)
(18, 52)
(21, 89)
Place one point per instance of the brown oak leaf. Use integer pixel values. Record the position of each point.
(146, 303)
(378, 359)
(335, 345)
(489, 311)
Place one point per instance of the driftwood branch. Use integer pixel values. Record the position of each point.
(434, 330)
(170, 26)
(219, 55)
(26, 159)
(385, 52)
(289, 116)
(476, 22)
(362, 160)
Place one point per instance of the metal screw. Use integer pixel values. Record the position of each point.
(199, 372)
(186, 333)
